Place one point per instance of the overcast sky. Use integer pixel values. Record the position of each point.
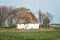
(51, 6)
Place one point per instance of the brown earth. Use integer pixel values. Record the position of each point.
(25, 30)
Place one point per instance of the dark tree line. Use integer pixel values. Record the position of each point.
(6, 15)
(45, 19)
(10, 16)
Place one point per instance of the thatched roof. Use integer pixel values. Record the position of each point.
(27, 18)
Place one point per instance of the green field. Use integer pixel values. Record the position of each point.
(43, 34)
(30, 35)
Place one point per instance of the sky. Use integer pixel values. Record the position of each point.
(51, 6)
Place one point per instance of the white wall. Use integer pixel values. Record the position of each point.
(28, 26)
(20, 26)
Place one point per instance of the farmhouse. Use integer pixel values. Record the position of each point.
(22, 18)
(28, 21)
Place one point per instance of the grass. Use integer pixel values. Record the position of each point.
(30, 36)
(41, 35)
(41, 29)
(6, 28)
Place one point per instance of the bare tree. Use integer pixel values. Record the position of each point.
(5, 15)
(45, 19)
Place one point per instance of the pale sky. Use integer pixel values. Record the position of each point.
(51, 6)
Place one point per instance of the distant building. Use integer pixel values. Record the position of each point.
(27, 21)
